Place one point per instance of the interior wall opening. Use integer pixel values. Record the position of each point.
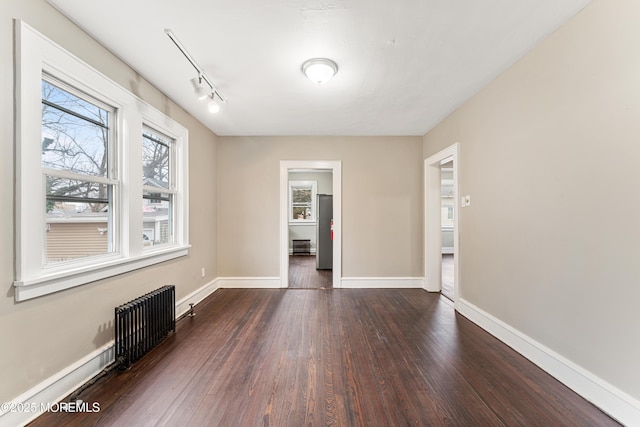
(441, 211)
(310, 218)
(447, 214)
(314, 178)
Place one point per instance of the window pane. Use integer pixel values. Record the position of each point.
(156, 172)
(157, 217)
(301, 195)
(78, 219)
(62, 188)
(155, 160)
(75, 133)
(74, 104)
(76, 230)
(301, 212)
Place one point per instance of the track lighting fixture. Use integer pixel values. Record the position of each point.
(201, 91)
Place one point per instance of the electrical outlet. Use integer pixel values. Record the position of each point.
(202, 272)
(463, 202)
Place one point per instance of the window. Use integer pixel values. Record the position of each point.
(157, 187)
(302, 201)
(95, 166)
(78, 174)
(446, 180)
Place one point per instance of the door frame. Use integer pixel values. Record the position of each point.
(433, 223)
(336, 169)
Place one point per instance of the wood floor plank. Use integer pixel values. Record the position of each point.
(344, 357)
(304, 275)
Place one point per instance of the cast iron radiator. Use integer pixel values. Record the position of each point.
(142, 323)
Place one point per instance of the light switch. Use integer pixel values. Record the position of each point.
(463, 202)
(467, 200)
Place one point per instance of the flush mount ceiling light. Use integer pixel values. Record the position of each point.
(319, 70)
(201, 91)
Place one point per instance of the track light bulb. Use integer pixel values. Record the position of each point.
(213, 106)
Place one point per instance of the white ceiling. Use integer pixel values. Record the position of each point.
(404, 65)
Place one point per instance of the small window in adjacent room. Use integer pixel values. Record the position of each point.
(302, 201)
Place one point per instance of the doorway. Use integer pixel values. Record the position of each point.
(301, 266)
(435, 186)
(447, 214)
(310, 215)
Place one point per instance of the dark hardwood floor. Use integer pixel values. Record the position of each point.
(303, 273)
(344, 357)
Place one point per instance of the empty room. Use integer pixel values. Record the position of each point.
(319, 213)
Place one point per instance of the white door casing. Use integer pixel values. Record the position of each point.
(336, 168)
(432, 220)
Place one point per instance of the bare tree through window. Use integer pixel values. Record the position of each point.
(79, 184)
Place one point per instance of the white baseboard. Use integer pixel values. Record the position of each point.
(65, 382)
(382, 282)
(346, 282)
(248, 282)
(614, 402)
(195, 297)
(55, 388)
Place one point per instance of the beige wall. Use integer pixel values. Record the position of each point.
(381, 202)
(548, 150)
(42, 336)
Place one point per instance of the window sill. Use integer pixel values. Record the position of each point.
(50, 283)
(303, 222)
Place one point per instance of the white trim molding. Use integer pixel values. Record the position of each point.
(286, 166)
(382, 282)
(56, 387)
(44, 285)
(248, 282)
(433, 222)
(195, 297)
(614, 402)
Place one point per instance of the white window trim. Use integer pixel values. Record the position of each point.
(36, 54)
(314, 193)
(178, 161)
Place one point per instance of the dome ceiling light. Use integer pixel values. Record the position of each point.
(319, 70)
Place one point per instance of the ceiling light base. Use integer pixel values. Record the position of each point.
(319, 70)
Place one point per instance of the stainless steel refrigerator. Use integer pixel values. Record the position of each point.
(324, 238)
